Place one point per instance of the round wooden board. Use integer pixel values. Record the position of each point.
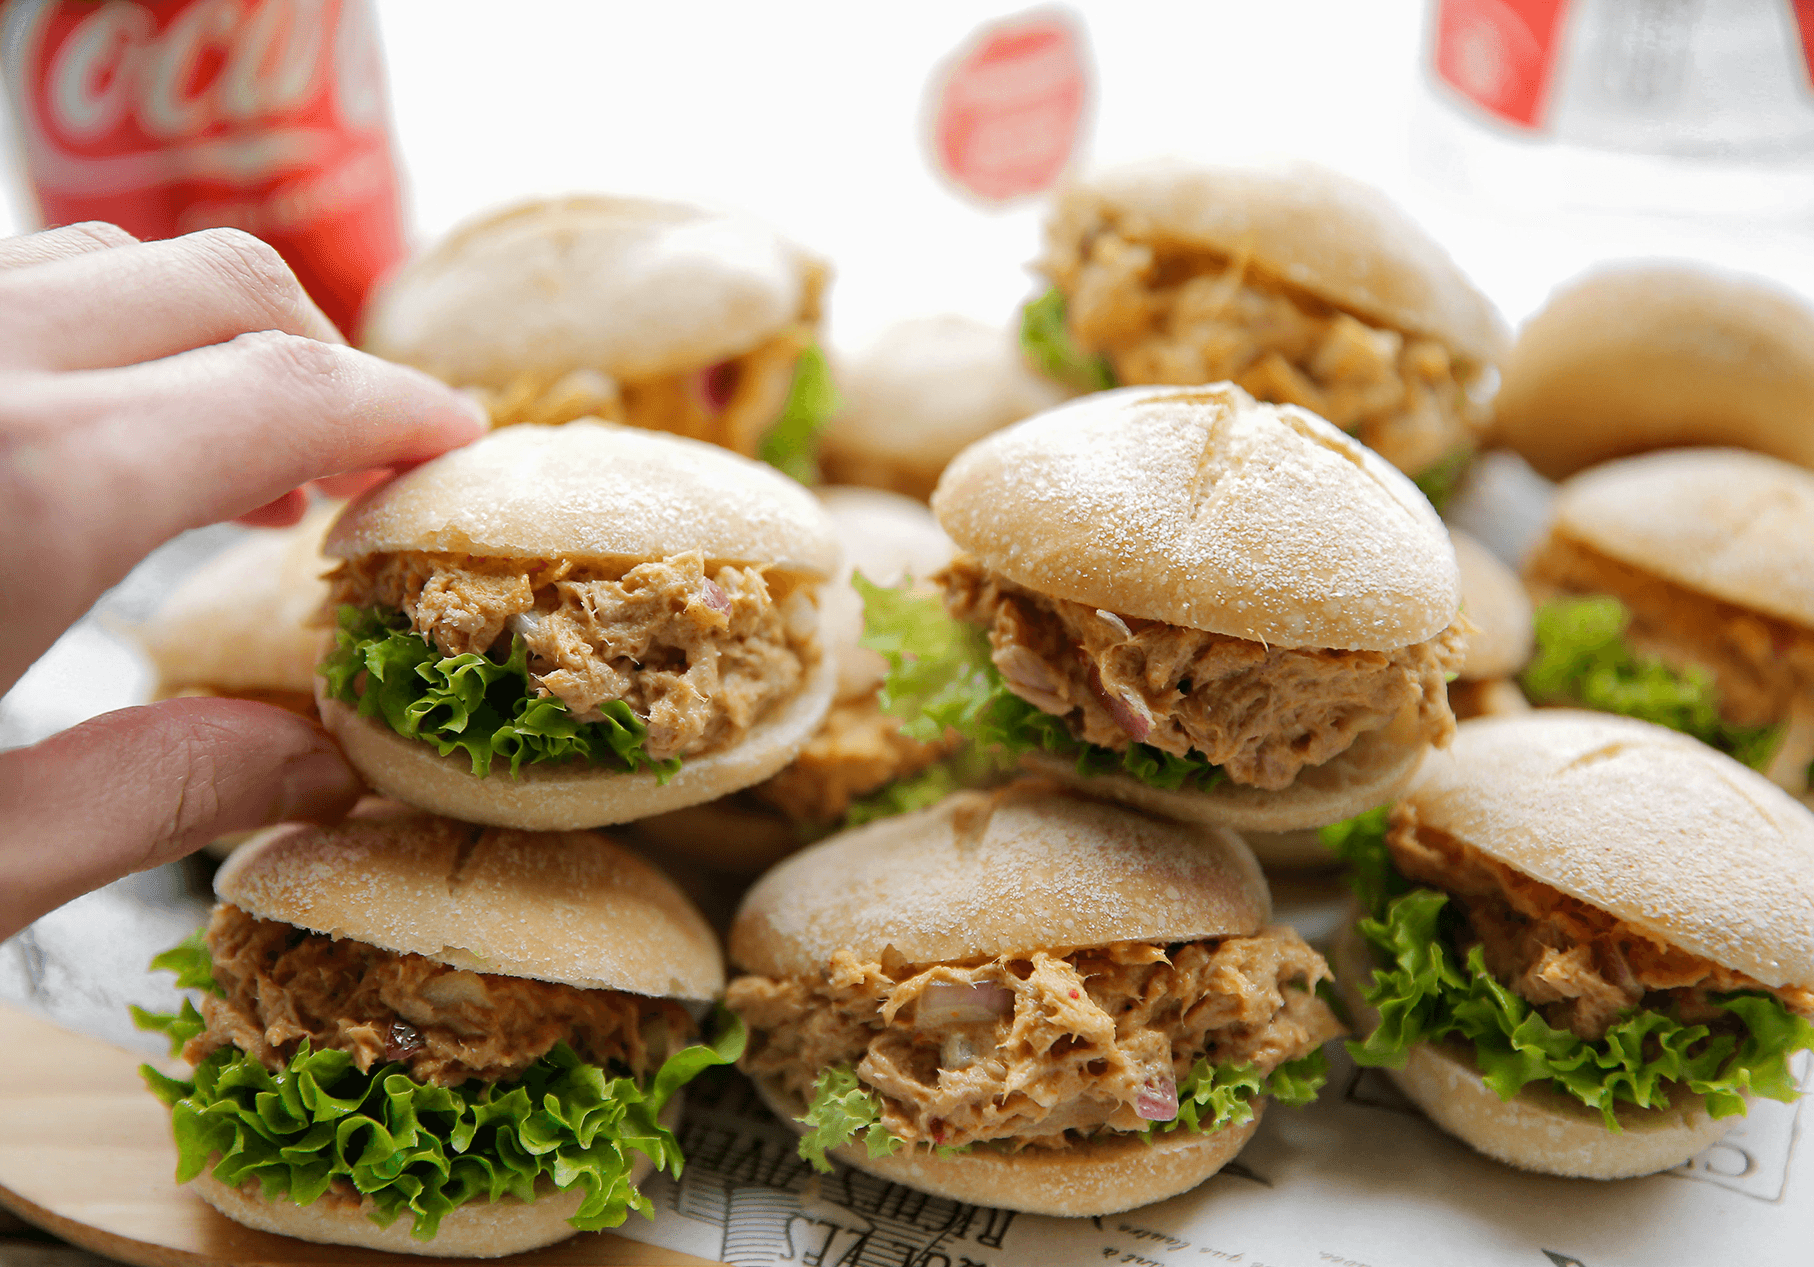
(85, 1153)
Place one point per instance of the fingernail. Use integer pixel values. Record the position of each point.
(318, 787)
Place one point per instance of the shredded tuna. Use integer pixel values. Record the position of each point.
(1163, 312)
(1261, 713)
(1760, 663)
(700, 659)
(1579, 964)
(858, 749)
(447, 1025)
(733, 403)
(1089, 1030)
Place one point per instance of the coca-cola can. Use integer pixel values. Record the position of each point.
(264, 115)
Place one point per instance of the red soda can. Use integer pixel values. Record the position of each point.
(167, 116)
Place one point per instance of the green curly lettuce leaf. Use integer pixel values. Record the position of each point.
(1424, 994)
(194, 968)
(940, 678)
(841, 1110)
(792, 444)
(1582, 659)
(1360, 842)
(967, 767)
(1441, 478)
(472, 704)
(1047, 342)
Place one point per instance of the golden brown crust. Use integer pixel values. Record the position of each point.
(572, 907)
(1203, 508)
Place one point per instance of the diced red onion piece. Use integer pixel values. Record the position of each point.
(1130, 713)
(1158, 1099)
(716, 384)
(404, 1041)
(716, 598)
(954, 1003)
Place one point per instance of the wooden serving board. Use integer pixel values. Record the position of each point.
(85, 1154)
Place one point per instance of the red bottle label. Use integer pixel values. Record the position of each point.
(164, 118)
(1500, 54)
(1007, 110)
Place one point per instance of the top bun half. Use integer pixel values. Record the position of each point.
(631, 286)
(592, 490)
(1735, 525)
(1201, 507)
(1655, 356)
(1008, 872)
(1342, 241)
(241, 621)
(1647, 824)
(575, 908)
(1496, 602)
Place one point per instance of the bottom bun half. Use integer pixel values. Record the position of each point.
(1537, 1129)
(1077, 1182)
(568, 797)
(1373, 769)
(478, 1229)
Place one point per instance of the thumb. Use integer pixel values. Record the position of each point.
(143, 786)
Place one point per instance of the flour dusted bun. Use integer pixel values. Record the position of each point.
(1342, 241)
(888, 538)
(575, 908)
(597, 491)
(1007, 872)
(1537, 1129)
(478, 1229)
(1731, 524)
(240, 622)
(921, 391)
(1079, 1181)
(1654, 827)
(1201, 507)
(1499, 609)
(567, 796)
(1655, 356)
(1370, 771)
(632, 287)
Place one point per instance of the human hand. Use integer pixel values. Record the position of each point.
(148, 388)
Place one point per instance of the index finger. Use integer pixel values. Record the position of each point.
(62, 243)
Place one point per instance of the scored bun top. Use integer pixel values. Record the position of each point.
(1735, 525)
(1654, 356)
(1201, 507)
(573, 907)
(631, 286)
(926, 387)
(593, 490)
(241, 620)
(1341, 240)
(1008, 872)
(1496, 602)
(1647, 824)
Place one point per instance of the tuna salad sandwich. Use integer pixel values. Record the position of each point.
(1299, 284)
(1659, 355)
(654, 314)
(559, 627)
(1196, 603)
(857, 766)
(1586, 941)
(243, 625)
(920, 393)
(431, 1038)
(1679, 588)
(1024, 999)
(1499, 644)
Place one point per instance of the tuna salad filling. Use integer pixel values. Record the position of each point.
(283, 985)
(1259, 713)
(1582, 967)
(1168, 313)
(1045, 1050)
(684, 657)
(857, 750)
(1761, 663)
